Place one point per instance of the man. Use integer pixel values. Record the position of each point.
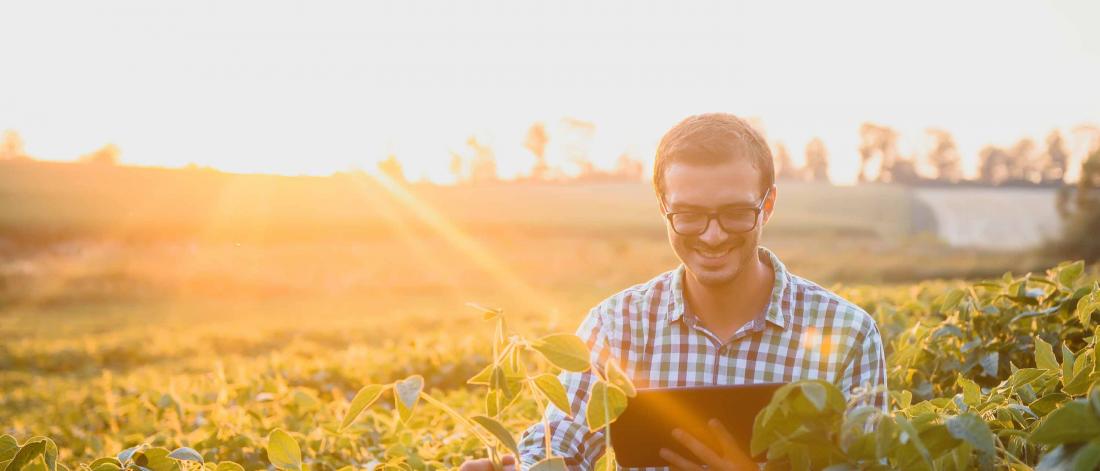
(731, 313)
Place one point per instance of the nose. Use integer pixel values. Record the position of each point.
(713, 235)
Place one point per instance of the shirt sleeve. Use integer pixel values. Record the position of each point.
(570, 437)
(863, 381)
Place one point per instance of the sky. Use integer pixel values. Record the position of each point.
(297, 87)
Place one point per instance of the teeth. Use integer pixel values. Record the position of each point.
(710, 254)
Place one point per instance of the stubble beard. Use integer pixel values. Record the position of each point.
(742, 248)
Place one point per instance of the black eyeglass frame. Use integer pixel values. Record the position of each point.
(714, 215)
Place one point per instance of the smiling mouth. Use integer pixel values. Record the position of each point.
(713, 254)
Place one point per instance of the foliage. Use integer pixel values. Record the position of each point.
(999, 374)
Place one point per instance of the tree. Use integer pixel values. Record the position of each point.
(391, 168)
(993, 165)
(106, 155)
(627, 168)
(1055, 161)
(944, 156)
(483, 167)
(11, 147)
(1022, 162)
(1082, 220)
(536, 143)
(456, 167)
(785, 169)
(817, 161)
(877, 141)
(579, 134)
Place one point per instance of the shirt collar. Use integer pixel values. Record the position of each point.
(775, 313)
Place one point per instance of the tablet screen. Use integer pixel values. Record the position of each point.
(646, 426)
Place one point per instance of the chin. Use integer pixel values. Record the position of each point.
(717, 276)
(714, 278)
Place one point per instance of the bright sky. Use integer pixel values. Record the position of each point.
(314, 87)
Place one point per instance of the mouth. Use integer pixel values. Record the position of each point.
(713, 254)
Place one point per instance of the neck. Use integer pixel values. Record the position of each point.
(734, 302)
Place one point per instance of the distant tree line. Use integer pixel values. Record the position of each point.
(1024, 163)
(11, 148)
(476, 163)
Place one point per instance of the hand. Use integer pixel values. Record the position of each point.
(730, 457)
(508, 462)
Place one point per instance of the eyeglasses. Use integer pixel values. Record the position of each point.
(731, 220)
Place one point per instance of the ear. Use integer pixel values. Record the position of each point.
(769, 205)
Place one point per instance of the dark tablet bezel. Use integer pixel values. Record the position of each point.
(644, 428)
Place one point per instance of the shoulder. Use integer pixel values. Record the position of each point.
(812, 305)
(649, 299)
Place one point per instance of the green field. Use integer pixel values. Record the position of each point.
(200, 309)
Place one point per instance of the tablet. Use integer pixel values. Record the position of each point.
(645, 427)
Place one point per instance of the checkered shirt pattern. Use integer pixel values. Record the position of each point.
(807, 332)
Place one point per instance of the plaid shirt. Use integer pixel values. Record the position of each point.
(807, 332)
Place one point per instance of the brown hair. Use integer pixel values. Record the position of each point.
(712, 138)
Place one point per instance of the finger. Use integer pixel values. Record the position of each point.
(698, 448)
(677, 461)
(509, 463)
(730, 448)
(476, 465)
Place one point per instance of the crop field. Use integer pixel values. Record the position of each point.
(198, 325)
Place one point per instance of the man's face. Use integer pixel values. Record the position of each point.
(715, 257)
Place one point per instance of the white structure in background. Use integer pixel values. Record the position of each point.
(993, 218)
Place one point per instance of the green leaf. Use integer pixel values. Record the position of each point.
(8, 447)
(1044, 355)
(951, 300)
(482, 377)
(1069, 274)
(816, 394)
(1087, 457)
(1048, 403)
(499, 431)
(487, 312)
(1085, 307)
(605, 403)
(35, 465)
(106, 461)
(972, 393)
(973, 430)
(405, 395)
(551, 388)
(565, 351)
(1024, 376)
(186, 454)
(228, 466)
(556, 463)
(1073, 422)
(990, 363)
(1067, 364)
(26, 453)
(283, 451)
(606, 462)
(904, 398)
(618, 377)
(492, 402)
(126, 455)
(362, 400)
(156, 459)
(49, 455)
